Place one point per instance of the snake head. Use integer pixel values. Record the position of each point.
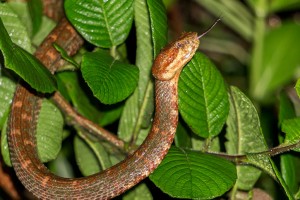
(175, 56)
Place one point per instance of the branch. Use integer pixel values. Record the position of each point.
(243, 158)
(88, 125)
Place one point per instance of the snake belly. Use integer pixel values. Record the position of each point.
(121, 177)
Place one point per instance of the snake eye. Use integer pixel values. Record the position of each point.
(174, 57)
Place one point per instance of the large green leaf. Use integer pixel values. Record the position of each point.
(49, 131)
(244, 136)
(110, 80)
(203, 98)
(280, 57)
(138, 109)
(25, 64)
(159, 26)
(103, 23)
(49, 134)
(16, 29)
(189, 174)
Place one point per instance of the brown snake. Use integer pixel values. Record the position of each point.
(119, 178)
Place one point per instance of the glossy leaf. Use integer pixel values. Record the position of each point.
(110, 80)
(17, 31)
(7, 89)
(279, 59)
(49, 134)
(33, 72)
(86, 105)
(138, 110)
(139, 106)
(108, 23)
(49, 131)
(244, 136)
(158, 19)
(193, 175)
(203, 98)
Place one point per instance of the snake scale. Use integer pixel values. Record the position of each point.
(119, 178)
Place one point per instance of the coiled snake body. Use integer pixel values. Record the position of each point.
(119, 178)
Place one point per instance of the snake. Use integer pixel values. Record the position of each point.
(117, 179)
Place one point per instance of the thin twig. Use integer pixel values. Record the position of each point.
(243, 158)
(88, 125)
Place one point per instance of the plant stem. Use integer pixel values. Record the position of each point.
(243, 158)
(90, 126)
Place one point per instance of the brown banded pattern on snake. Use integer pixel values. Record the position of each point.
(119, 178)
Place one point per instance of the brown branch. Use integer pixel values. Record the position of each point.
(243, 158)
(88, 125)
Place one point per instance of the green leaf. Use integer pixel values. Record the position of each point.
(291, 128)
(17, 31)
(297, 87)
(279, 59)
(7, 89)
(49, 134)
(286, 108)
(110, 80)
(288, 170)
(21, 9)
(140, 191)
(138, 109)
(203, 98)
(25, 64)
(4, 145)
(159, 28)
(62, 165)
(189, 174)
(91, 157)
(84, 103)
(281, 181)
(261, 161)
(182, 137)
(49, 131)
(44, 30)
(244, 136)
(103, 23)
(35, 8)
